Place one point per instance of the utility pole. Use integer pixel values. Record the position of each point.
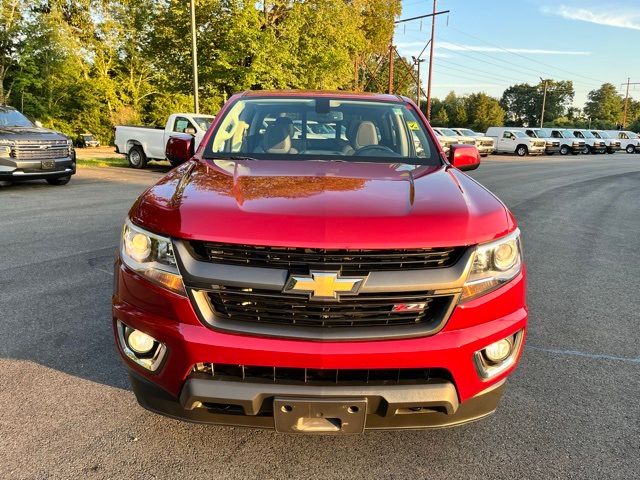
(430, 43)
(626, 100)
(417, 61)
(544, 101)
(433, 41)
(391, 58)
(194, 54)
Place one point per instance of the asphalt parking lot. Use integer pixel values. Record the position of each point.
(572, 409)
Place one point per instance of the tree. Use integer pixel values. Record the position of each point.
(483, 112)
(11, 41)
(523, 102)
(604, 105)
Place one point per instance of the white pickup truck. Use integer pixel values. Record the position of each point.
(141, 144)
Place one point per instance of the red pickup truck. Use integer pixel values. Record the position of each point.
(337, 278)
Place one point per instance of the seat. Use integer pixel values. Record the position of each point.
(361, 134)
(277, 139)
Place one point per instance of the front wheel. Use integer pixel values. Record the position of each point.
(586, 149)
(564, 150)
(630, 149)
(136, 157)
(59, 181)
(521, 150)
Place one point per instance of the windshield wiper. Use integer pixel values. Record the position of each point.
(235, 158)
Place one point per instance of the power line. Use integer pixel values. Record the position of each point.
(525, 57)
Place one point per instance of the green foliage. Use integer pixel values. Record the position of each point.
(86, 65)
(477, 111)
(523, 102)
(605, 105)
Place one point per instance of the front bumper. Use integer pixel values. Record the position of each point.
(15, 170)
(174, 391)
(206, 401)
(486, 149)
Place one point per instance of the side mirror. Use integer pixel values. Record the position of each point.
(464, 157)
(190, 130)
(180, 148)
(38, 123)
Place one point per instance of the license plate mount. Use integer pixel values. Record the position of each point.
(48, 164)
(320, 415)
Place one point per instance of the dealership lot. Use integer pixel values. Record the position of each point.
(571, 409)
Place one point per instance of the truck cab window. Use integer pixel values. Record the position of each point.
(182, 124)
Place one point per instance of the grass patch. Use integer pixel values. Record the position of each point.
(103, 162)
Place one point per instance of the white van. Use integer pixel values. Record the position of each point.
(445, 140)
(552, 144)
(568, 141)
(612, 142)
(629, 141)
(485, 145)
(514, 140)
(592, 144)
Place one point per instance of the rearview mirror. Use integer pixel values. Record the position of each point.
(464, 157)
(180, 148)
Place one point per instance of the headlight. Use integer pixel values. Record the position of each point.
(151, 256)
(5, 148)
(494, 264)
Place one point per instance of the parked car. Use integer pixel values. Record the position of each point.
(514, 140)
(485, 145)
(629, 141)
(461, 139)
(568, 141)
(87, 140)
(552, 145)
(592, 144)
(258, 284)
(30, 152)
(445, 140)
(142, 144)
(612, 143)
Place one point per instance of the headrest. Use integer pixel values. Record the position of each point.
(286, 121)
(363, 134)
(276, 139)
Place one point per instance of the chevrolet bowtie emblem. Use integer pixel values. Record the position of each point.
(323, 285)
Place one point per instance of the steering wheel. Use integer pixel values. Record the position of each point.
(380, 149)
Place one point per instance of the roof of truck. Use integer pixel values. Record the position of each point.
(323, 93)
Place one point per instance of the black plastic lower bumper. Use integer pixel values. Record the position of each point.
(234, 403)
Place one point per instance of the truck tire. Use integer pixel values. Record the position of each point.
(564, 150)
(630, 149)
(59, 180)
(136, 157)
(521, 150)
(587, 149)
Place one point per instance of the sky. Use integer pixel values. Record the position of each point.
(488, 45)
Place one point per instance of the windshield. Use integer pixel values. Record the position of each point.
(520, 134)
(568, 134)
(87, 138)
(203, 122)
(447, 132)
(632, 135)
(295, 128)
(601, 134)
(587, 134)
(13, 118)
(543, 133)
(468, 133)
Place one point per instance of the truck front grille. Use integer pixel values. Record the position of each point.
(346, 261)
(314, 376)
(364, 310)
(40, 150)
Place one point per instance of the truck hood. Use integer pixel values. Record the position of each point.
(322, 204)
(15, 134)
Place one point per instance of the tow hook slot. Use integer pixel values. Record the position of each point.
(312, 415)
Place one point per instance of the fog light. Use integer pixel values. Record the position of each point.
(498, 351)
(499, 356)
(140, 342)
(140, 348)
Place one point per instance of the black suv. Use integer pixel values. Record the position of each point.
(30, 152)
